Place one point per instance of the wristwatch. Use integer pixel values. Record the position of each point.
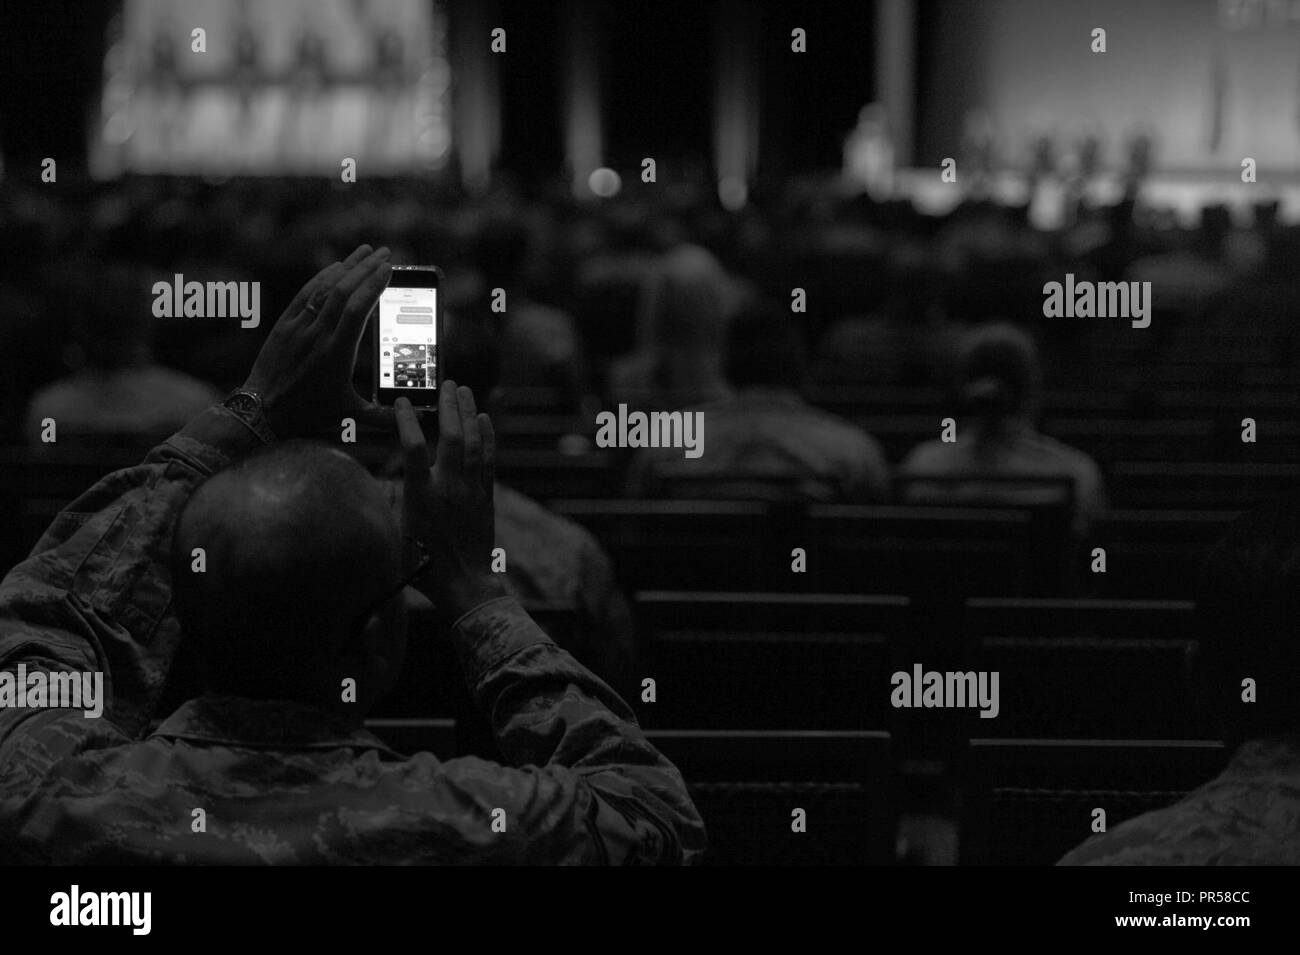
(247, 407)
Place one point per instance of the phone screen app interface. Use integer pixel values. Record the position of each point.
(408, 345)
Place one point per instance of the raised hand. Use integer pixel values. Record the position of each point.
(304, 371)
(448, 507)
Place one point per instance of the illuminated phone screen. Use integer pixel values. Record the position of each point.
(408, 339)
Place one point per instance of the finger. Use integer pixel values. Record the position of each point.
(451, 440)
(345, 283)
(370, 415)
(359, 253)
(489, 436)
(312, 285)
(338, 296)
(415, 449)
(352, 323)
(311, 308)
(473, 455)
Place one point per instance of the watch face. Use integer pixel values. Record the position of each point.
(243, 404)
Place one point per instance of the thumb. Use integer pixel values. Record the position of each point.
(373, 416)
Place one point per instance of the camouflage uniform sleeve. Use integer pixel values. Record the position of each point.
(592, 789)
(94, 593)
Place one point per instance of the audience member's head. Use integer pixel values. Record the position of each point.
(765, 350)
(1249, 606)
(301, 556)
(684, 301)
(998, 376)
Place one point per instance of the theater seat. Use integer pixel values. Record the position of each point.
(1235, 486)
(1108, 440)
(1065, 617)
(1153, 554)
(767, 661)
(851, 399)
(1077, 687)
(1029, 801)
(538, 432)
(1086, 668)
(680, 544)
(543, 474)
(748, 785)
(931, 552)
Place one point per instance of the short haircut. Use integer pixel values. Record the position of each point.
(765, 348)
(1248, 605)
(295, 547)
(998, 373)
(683, 300)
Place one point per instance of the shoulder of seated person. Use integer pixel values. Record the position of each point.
(839, 432)
(523, 509)
(1060, 449)
(928, 454)
(53, 393)
(178, 379)
(513, 501)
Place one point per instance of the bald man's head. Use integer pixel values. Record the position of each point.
(298, 540)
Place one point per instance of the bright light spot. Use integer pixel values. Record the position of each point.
(605, 182)
(732, 193)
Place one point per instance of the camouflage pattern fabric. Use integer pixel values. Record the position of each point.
(1248, 815)
(279, 782)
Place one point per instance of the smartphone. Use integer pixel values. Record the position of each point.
(408, 336)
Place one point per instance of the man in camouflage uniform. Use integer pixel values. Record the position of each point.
(1249, 603)
(283, 570)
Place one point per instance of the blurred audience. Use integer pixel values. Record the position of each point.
(633, 298)
(766, 440)
(540, 345)
(908, 341)
(116, 394)
(681, 327)
(998, 389)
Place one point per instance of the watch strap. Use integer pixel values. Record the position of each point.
(255, 421)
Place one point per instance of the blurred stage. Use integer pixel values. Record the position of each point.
(1183, 194)
(293, 87)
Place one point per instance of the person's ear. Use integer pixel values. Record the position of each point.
(375, 644)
